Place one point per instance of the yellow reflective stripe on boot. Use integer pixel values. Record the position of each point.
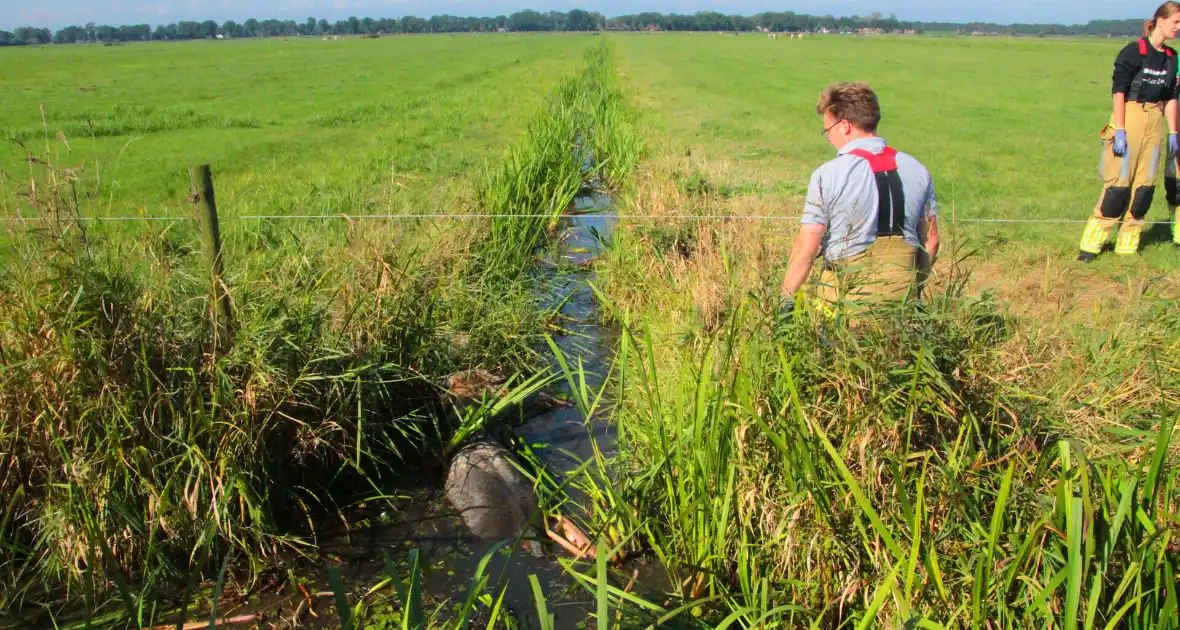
(1128, 241)
(1094, 237)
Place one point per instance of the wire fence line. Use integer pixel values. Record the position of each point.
(618, 217)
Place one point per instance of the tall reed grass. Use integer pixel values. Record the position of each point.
(584, 139)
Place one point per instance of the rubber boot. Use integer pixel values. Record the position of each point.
(1094, 237)
(1176, 226)
(1128, 239)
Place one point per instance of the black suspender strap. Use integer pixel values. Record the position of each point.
(890, 194)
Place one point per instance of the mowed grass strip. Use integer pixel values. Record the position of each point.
(289, 125)
(1009, 128)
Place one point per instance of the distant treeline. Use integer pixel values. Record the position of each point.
(532, 21)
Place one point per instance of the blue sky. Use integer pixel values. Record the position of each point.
(58, 13)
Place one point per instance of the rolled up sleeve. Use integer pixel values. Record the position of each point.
(814, 209)
(930, 207)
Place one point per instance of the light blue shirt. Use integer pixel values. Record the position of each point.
(842, 195)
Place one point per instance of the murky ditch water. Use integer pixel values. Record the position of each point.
(562, 438)
(582, 234)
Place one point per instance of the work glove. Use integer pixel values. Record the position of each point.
(1120, 143)
(1173, 144)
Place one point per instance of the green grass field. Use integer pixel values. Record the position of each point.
(290, 126)
(971, 460)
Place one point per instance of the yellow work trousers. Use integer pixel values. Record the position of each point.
(885, 271)
(1128, 181)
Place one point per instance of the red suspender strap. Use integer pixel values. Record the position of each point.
(890, 194)
(879, 162)
(1143, 49)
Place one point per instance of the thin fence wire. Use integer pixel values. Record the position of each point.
(618, 217)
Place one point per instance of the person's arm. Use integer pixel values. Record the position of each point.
(1120, 111)
(929, 234)
(807, 244)
(1173, 143)
(928, 230)
(1126, 66)
(810, 238)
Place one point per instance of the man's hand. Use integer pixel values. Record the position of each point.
(1173, 144)
(1119, 148)
(786, 309)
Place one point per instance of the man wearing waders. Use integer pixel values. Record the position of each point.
(871, 211)
(1145, 89)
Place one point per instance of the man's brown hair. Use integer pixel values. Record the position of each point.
(854, 102)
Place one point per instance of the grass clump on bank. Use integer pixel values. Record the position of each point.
(889, 476)
(133, 451)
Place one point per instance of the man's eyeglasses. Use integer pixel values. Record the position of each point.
(824, 133)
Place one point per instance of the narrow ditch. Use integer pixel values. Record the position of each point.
(449, 555)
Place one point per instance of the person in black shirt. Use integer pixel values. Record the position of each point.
(1144, 85)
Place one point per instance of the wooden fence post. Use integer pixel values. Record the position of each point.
(205, 205)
